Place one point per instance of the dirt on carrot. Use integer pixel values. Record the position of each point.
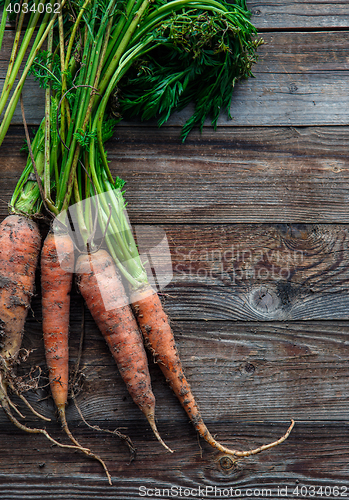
(159, 338)
(20, 243)
(56, 283)
(104, 294)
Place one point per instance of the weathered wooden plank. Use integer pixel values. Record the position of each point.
(321, 462)
(231, 367)
(248, 379)
(238, 372)
(232, 175)
(85, 489)
(301, 79)
(307, 14)
(258, 272)
(255, 272)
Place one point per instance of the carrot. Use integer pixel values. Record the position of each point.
(56, 282)
(159, 339)
(20, 244)
(104, 294)
(19, 250)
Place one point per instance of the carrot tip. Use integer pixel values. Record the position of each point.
(151, 421)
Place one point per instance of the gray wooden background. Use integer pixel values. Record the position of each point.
(256, 215)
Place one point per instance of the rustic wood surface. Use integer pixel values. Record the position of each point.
(257, 223)
(301, 80)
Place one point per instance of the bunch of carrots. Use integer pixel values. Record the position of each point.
(102, 61)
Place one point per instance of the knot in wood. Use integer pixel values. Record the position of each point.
(226, 463)
(265, 299)
(249, 368)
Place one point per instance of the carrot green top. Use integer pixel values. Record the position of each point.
(114, 58)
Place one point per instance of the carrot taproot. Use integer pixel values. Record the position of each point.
(20, 243)
(57, 266)
(105, 297)
(159, 338)
(56, 283)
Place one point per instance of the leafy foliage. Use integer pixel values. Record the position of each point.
(84, 138)
(108, 128)
(46, 70)
(200, 58)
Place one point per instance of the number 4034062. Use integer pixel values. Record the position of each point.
(41, 8)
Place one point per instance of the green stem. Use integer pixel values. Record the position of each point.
(3, 21)
(127, 59)
(19, 59)
(73, 33)
(122, 47)
(15, 98)
(13, 53)
(80, 215)
(47, 173)
(64, 77)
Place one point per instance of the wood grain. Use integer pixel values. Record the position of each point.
(259, 272)
(300, 80)
(58, 474)
(249, 379)
(307, 14)
(301, 14)
(239, 372)
(244, 175)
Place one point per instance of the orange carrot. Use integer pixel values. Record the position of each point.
(56, 282)
(19, 250)
(104, 294)
(160, 340)
(20, 243)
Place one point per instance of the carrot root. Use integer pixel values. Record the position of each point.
(159, 339)
(26, 402)
(6, 406)
(104, 294)
(116, 432)
(151, 419)
(57, 265)
(56, 282)
(86, 451)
